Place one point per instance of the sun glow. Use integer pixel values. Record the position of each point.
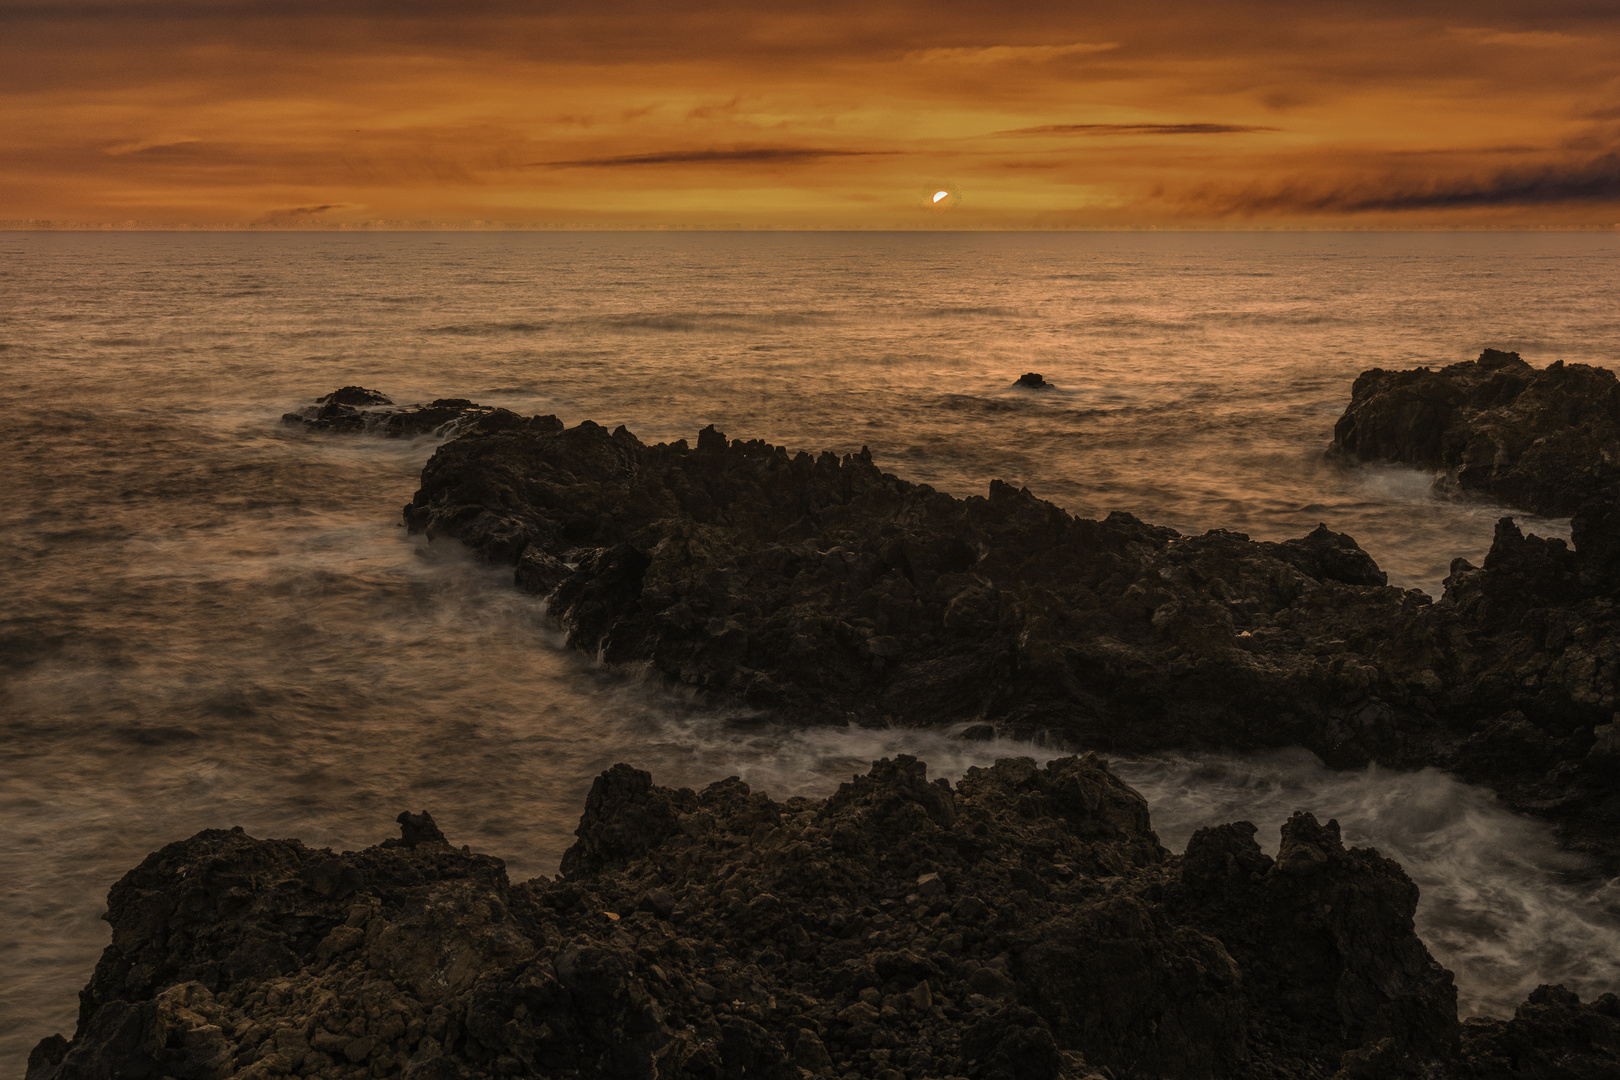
(938, 195)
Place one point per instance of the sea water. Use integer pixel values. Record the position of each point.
(210, 619)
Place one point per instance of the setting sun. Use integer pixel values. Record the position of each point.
(1241, 115)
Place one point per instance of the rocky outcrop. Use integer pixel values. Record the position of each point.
(1546, 441)
(355, 409)
(827, 591)
(1024, 924)
(1033, 380)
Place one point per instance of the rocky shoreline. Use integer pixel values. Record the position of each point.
(824, 590)
(1023, 924)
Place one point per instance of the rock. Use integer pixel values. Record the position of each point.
(1033, 381)
(417, 829)
(824, 590)
(1079, 947)
(1546, 441)
(354, 395)
(356, 409)
(660, 901)
(1551, 1034)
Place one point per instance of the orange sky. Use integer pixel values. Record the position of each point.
(830, 115)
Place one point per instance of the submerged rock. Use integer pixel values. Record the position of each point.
(1025, 924)
(1547, 441)
(828, 591)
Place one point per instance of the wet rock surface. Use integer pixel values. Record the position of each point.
(1025, 923)
(1546, 440)
(356, 409)
(823, 590)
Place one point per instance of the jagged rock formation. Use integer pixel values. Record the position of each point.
(826, 590)
(1547, 441)
(354, 409)
(1023, 925)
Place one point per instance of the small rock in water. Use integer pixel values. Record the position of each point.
(354, 395)
(350, 410)
(1034, 381)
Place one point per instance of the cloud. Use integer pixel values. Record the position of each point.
(761, 155)
(1009, 54)
(1526, 39)
(1594, 181)
(298, 213)
(144, 146)
(1137, 129)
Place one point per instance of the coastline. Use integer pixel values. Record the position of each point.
(1025, 923)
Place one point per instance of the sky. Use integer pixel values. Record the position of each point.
(838, 114)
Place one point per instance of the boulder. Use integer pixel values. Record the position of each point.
(1545, 440)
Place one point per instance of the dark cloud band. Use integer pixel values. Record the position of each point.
(1138, 129)
(1593, 181)
(785, 155)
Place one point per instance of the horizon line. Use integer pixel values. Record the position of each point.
(477, 226)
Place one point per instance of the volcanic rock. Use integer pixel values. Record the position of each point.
(828, 591)
(354, 395)
(1547, 441)
(1024, 923)
(356, 409)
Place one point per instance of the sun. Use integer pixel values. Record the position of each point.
(940, 195)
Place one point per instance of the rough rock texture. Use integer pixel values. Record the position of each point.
(1023, 925)
(355, 409)
(1547, 441)
(825, 590)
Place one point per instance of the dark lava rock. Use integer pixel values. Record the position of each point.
(416, 829)
(1025, 924)
(1033, 380)
(828, 591)
(1547, 441)
(354, 395)
(356, 409)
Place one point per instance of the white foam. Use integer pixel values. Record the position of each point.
(1501, 905)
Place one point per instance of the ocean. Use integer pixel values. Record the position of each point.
(211, 619)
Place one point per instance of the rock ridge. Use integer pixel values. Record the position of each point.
(824, 590)
(1022, 924)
